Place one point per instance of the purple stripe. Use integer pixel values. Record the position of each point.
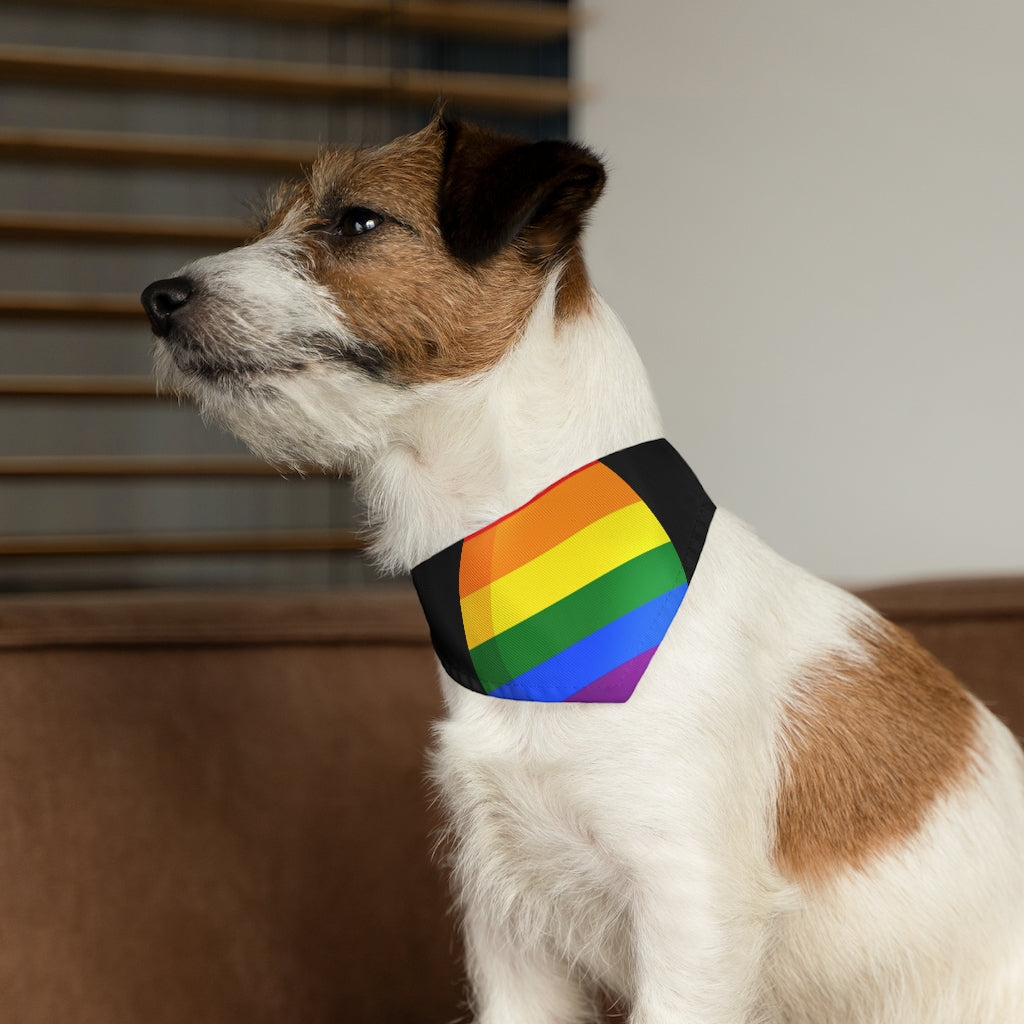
(617, 686)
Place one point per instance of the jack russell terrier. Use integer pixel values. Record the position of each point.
(678, 771)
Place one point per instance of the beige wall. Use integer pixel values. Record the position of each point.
(815, 232)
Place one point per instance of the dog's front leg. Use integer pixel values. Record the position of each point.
(699, 953)
(512, 982)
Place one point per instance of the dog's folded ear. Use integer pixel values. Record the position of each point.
(496, 190)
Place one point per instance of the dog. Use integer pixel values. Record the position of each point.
(777, 809)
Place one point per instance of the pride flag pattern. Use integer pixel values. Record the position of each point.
(577, 586)
(568, 597)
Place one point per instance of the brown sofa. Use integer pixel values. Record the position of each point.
(212, 806)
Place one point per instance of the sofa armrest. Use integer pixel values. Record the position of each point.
(974, 626)
(214, 810)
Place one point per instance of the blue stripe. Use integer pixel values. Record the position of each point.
(592, 657)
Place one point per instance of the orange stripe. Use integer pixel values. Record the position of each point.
(552, 517)
(476, 564)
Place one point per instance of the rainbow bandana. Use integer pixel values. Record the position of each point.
(568, 597)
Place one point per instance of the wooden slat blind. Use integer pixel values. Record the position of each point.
(231, 76)
(191, 543)
(114, 149)
(69, 306)
(50, 305)
(77, 386)
(485, 18)
(122, 229)
(63, 466)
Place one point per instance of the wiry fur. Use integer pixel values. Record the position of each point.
(669, 851)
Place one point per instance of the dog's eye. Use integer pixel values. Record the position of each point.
(357, 220)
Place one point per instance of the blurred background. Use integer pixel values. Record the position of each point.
(133, 137)
(815, 232)
(814, 229)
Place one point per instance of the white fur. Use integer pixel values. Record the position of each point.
(630, 847)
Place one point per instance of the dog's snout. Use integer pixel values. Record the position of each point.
(162, 300)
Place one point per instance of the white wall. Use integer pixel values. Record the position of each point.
(814, 229)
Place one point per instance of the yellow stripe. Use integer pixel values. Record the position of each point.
(582, 558)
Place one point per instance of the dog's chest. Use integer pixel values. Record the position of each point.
(529, 837)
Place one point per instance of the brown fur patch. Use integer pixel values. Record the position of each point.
(424, 314)
(869, 745)
(575, 293)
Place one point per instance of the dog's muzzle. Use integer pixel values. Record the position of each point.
(164, 301)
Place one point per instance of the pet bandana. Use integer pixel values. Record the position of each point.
(568, 597)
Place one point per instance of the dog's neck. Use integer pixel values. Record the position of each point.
(471, 451)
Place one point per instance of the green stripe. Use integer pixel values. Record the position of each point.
(542, 636)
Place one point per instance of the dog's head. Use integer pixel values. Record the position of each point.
(386, 271)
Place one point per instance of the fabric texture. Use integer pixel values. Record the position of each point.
(568, 597)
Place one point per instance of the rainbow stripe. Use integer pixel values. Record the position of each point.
(568, 597)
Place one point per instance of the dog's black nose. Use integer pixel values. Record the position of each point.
(163, 299)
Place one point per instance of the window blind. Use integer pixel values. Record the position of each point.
(131, 139)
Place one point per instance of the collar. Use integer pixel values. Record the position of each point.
(568, 597)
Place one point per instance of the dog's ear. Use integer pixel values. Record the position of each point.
(496, 190)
